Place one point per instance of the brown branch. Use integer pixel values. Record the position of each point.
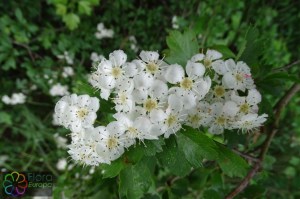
(246, 156)
(283, 68)
(274, 128)
(27, 48)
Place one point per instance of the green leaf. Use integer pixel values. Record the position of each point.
(191, 150)
(290, 171)
(94, 2)
(173, 158)
(181, 47)
(71, 20)
(231, 163)
(207, 146)
(251, 48)
(135, 180)
(84, 7)
(153, 146)
(113, 169)
(61, 9)
(5, 118)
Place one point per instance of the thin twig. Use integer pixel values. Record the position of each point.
(27, 48)
(283, 68)
(274, 128)
(246, 156)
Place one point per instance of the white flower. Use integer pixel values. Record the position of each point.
(175, 22)
(222, 115)
(192, 86)
(133, 43)
(210, 57)
(66, 57)
(60, 141)
(96, 58)
(236, 76)
(76, 112)
(84, 150)
(166, 122)
(199, 115)
(152, 65)
(61, 164)
(110, 73)
(250, 122)
(112, 141)
(124, 101)
(59, 90)
(16, 98)
(103, 32)
(247, 104)
(68, 71)
(136, 127)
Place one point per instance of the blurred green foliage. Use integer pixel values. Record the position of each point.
(264, 34)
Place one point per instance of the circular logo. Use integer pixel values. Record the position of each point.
(15, 184)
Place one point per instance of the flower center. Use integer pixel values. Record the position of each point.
(194, 119)
(219, 91)
(82, 113)
(244, 108)
(152, 67)
(123, 98)
(132, 131)
(112, 143)
(116, 72)
(186, 83)
(150, 104)
(171, 120)
(221, 120)
(238, 77)
(207, 63)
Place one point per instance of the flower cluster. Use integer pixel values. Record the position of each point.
(16, 98)
(153, 98)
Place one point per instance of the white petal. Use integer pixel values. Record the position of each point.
(230, 108)
(195, 69)
(159, 89)
(216, 108)
(106, 81)
(130, 69)
(230, 65)
(157, 115)
(219, 67)
(94, 104)
(118, 57)
(174, 73)
(142, 124)
(188, 100)
(175, 103)
(213, 54)
(149, 56)
(157, 130)
(229, 80)
(197, 58)
(254, 97)
(125, 84)
(115, 128)
(104, 66)
(237, 99)
(105, 93)
(143, 80)
(139, 64)
(139, 95)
